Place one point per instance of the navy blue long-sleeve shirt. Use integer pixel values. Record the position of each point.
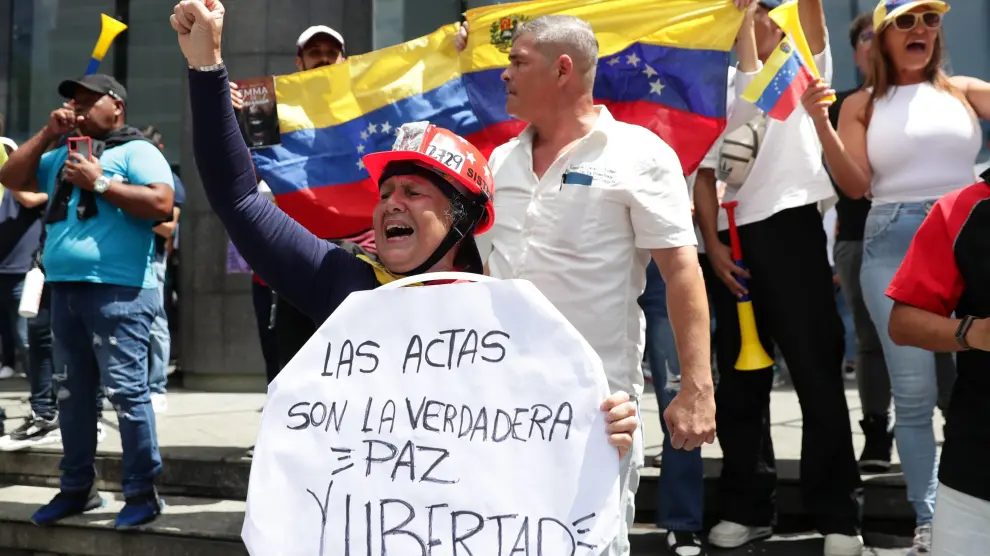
(312, 274)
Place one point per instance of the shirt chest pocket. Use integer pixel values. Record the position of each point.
(581, 214)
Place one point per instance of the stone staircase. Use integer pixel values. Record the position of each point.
(204, 437)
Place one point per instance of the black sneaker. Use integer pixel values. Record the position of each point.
(35, 431)
(683, 543)
(879, 444)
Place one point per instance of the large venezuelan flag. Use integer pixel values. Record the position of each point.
(663, 66)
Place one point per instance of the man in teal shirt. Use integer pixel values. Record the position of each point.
(103, 205)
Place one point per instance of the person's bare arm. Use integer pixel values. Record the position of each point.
(977, 93)
(812, 16)
(687, 305)
(844, 149)
(20, 172)
(706, 207)
(166, 229)
(911, 326)
(691, 415)
(150, 202)
(29, 199)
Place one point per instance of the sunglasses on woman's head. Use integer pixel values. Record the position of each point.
(908, 21)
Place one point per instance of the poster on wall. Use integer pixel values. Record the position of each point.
(443, 420)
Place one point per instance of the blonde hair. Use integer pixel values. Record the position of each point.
(883, 73)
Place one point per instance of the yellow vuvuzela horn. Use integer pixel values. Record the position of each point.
(110, 28)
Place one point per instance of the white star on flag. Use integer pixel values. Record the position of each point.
(360, 164)
(470, 157)
(632, 59)
(360, 149)
(488, 172)
(364, 135)
(614, 60)
(656, 87)
(386, 127)
(372, 128)
(649, 71)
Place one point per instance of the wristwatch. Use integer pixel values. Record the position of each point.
(963, 329)
(101, 185)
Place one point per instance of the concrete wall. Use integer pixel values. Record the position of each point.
(220, 349)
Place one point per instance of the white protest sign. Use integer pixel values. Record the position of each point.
(458, 419)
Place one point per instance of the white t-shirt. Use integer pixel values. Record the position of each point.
(788, 171)
(582, 234)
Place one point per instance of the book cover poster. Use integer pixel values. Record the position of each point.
(259, 116)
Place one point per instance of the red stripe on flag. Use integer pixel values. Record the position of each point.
(790, 99)
(333, 211)
(689, 134)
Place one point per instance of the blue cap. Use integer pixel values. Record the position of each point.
(771, 4)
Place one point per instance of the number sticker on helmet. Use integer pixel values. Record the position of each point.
(449, 159)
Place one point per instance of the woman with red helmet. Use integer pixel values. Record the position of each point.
(435, 193)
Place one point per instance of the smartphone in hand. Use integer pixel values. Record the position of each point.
(82, 145)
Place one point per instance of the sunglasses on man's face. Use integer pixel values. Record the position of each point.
(908, 21)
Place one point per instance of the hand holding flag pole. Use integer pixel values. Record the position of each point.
(752, 356)
(109, 29)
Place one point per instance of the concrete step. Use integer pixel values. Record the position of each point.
(188, 527)
(223, 473)
(209, 472)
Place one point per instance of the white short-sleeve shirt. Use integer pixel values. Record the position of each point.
(789, 171)
(583, 232)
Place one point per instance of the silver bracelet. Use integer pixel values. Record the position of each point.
(214, 67)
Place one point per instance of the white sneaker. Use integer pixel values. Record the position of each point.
(733, 535)
(922, 541)
(843, 545)
(159, 402)
(6, 372)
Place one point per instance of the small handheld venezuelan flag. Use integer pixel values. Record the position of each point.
(777, 89)
(109, 29)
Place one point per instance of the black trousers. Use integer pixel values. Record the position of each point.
(261, 297)
(292, 327)
(292, 330)
(794, 302)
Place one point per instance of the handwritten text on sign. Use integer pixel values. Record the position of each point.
(400, 430)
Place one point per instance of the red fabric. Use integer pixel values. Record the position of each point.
(929, 277)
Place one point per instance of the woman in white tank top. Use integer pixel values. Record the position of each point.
(907, 139)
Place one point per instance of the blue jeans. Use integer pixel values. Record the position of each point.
(681, 490)
(13, 327)
(161, 339)
(888, 234)
(101, 333)
(40, 364)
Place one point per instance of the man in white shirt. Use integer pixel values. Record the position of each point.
(790, 283)
(583, 202)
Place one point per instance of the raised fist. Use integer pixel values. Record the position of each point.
(199, 24)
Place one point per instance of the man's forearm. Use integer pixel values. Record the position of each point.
(706, 205)
(687, 305)
(19, 173)
(152, 202)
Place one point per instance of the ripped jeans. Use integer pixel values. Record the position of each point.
(101, 333)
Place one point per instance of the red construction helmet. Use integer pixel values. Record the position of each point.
(447, 154)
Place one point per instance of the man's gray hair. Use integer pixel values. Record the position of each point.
(554, 35)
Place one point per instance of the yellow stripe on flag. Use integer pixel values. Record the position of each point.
(340, 93)
(688, 24)
(763, 79)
